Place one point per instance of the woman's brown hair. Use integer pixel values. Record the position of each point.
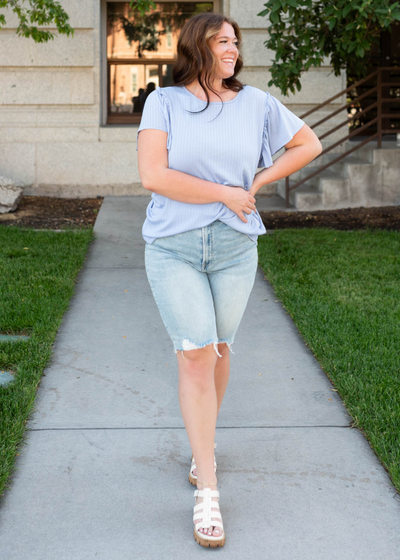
(195, 59)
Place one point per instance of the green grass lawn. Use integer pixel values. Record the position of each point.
(342, 289)
(38, 275)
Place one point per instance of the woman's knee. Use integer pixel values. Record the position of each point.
(199, 361)
(223, 349)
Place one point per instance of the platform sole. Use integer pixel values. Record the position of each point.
(192, 479)
(207, 543)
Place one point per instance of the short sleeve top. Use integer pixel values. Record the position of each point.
(224, 144)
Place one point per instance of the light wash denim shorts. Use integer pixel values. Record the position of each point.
(201, 282)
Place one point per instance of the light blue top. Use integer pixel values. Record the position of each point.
(225, 148)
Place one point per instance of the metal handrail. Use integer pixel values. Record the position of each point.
(377, 120)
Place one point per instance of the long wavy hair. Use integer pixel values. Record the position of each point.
(195, 58)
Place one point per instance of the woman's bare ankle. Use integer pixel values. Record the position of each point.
(207, 484)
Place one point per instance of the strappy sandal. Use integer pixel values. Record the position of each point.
(208, 517)
(193, 477)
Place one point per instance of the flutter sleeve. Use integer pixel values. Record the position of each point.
(156, 114)
(279, 128)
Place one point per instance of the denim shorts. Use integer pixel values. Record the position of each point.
(201, 282)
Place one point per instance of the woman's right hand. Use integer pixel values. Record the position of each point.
(239, 200)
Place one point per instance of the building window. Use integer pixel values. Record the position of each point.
(141, 52)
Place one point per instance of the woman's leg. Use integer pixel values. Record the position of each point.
(221, 374)
(221, 378)
(199, 405)
(231, 281)
(192, 304)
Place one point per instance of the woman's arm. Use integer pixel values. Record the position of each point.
(157, 177)
(302, 148)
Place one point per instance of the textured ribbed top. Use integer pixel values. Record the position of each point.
(224, 144)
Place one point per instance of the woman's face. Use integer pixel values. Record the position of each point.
(224, 48)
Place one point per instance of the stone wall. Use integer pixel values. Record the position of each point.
(52, 138)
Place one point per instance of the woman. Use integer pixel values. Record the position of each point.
(200, 145)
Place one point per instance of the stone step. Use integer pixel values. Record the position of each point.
(306, 197)
(337, 150)
(324, 191)
(315, 181)
(366, 153)
(340, 166)
(329, 189)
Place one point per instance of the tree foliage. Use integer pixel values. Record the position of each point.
(303, 32)
(142, 5)
(37, 13)
(145, 31)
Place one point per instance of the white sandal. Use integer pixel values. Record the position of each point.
(208, 517)
(193, 477)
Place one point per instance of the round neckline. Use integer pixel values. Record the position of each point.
(214, 102)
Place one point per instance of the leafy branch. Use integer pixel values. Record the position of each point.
(40, 13)
(303, 32)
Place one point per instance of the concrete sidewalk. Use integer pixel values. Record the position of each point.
(104, 473)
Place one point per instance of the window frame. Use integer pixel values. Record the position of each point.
(105, 65)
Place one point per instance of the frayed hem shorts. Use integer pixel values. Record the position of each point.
(201, 282)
